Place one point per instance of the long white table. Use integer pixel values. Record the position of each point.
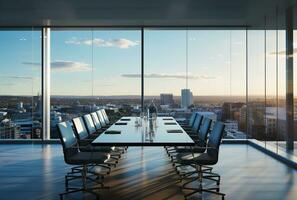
(165, 132)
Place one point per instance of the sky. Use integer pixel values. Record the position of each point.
(108, 62)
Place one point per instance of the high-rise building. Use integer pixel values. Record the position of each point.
(166, 99)
(186, 98)
(20, 105)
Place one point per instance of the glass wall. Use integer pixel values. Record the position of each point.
(201, 71)
(256, 85)
(20, 84)
(281, 81)
(71, 75)
(267, 84)
(165, 63)
(91, 69)
(217, 74)
(117, 72)
(185, 71)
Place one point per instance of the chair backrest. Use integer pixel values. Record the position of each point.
(89, 123)
(105, 116)
(80, 128)
(96, 120)
(215, 139)
(197, 123)
(68, 139)
(192, 119)
(101, 118)
(204, 130)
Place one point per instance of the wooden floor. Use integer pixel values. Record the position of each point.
(37, 172)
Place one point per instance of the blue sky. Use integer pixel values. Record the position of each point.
(107, 62)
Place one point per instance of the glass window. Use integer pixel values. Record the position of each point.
(256, 84)
(20, 87)
(117, 71)
(71, 75)
(92, 69)
(217, 77)
(165, 78)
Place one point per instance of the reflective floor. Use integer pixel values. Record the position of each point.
(37, 172)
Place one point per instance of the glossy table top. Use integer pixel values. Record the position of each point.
(164, 131)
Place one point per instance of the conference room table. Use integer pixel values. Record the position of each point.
(134, 131)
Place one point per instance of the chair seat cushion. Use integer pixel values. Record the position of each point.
(199, 159)
(88, 158)
(93, 136)
(189, 150)
(91, 148)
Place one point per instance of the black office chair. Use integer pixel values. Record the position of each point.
(97, 122)
(73, 156)
(196, 126)
(101, 119)
(91, 126)
(193, 131)
(81, 131)
(201, 133)
(208, 158)
(200, 139)
(190, 124)
(105, 116)
(85, 140)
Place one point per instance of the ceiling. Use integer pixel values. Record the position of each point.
(215, 13)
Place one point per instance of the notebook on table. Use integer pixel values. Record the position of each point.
(112, 132)
(170, 123)
(175, 131)
(167, 118)
(125, 119)
(120, 123)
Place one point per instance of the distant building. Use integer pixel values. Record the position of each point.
(8, 130)
(186, 98)
(166, 99)
(275, 118)
(3, 114)
(56, 117)
(20, 107)
(28, 128)
(231, 125)
(231, 110)
(231, 134)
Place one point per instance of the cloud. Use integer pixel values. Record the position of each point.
(98, 42)
(7, 84)
(18, 77)
(174, 76)
(283, 53)
(65, 66)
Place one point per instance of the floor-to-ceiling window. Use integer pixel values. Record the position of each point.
(192, 70)
(217, 77)
(20, 84)
(165, 77)
(267, 83)
(91, 69)
(256, 85)
(71, 75)
(185, 71)
(117, 71)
